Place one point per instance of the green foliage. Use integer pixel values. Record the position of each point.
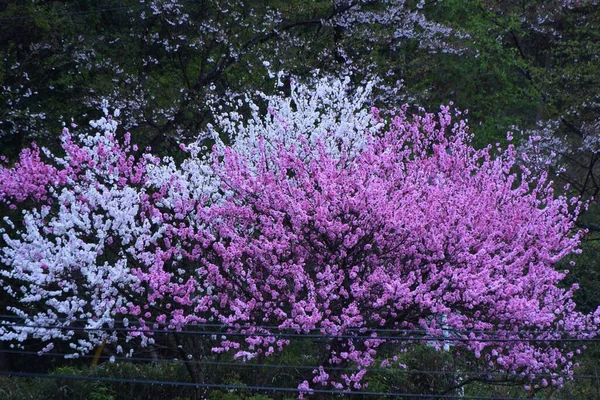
(61, 389)
(586, 274)
(69, 389)
(483, 73)
(420, 370)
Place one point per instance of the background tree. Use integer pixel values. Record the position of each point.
(160, 61)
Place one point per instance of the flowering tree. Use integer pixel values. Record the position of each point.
(398, 224)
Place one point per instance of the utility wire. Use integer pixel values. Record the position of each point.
(296, 367)
(283, 335)
(5, 318)
(252, 388)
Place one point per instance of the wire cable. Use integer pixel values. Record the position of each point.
(250, 387)
(316, 329)
(463, 373)
(283, 335)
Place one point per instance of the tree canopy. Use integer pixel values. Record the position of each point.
(343, 168)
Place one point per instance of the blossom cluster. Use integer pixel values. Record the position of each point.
(320, 215)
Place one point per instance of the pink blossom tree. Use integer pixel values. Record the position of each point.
(402, 228)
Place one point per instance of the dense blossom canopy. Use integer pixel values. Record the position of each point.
(307, 221)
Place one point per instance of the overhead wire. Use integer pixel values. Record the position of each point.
(157, 360)
(399, 330)
(250, 387)
(285, 335)
(359, 335)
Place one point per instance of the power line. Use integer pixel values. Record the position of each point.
(317, 329)
(302, 366)
(284, 335)
(251, 387)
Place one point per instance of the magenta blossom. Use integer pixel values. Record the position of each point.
(412, 229)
